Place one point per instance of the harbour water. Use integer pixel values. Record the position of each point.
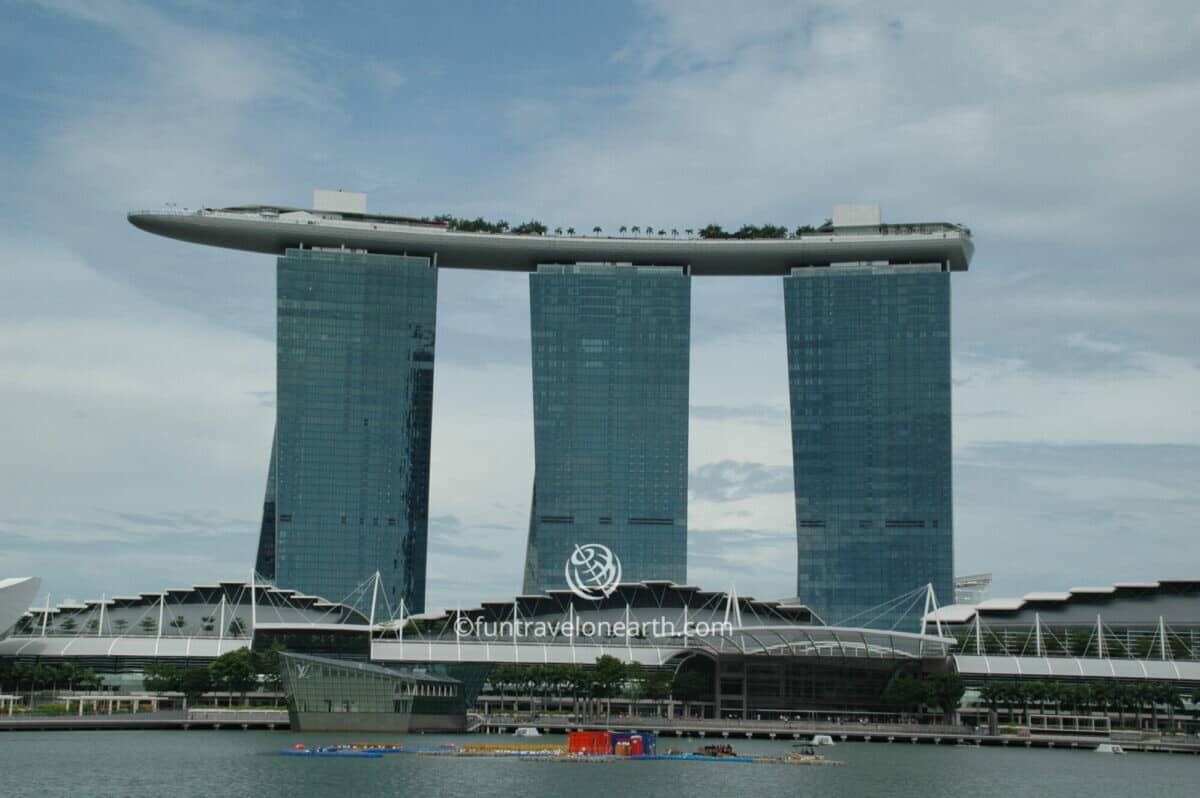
(153, 764)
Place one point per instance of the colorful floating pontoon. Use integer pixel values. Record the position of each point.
(582, 746)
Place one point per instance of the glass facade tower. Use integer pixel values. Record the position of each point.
(869, 379)
(610, 406)
(348, 485)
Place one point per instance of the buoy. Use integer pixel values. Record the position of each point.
(299, 746)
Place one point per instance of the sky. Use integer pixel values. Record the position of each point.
(137, 373)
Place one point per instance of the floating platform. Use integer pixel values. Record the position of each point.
(341, 753)
(543, 752)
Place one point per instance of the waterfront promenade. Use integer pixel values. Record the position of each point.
(505, 724)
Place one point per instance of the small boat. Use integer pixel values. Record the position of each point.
(1109, 748)
(341, 753)
(715, 751)
(527, 731)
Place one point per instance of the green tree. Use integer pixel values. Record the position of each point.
(1018, 695)
(635, 681)
(148, 624)
(67, 674)
(43, 676)
(658, 685)
(607, 677)
(269, 667)
(906, 693)
(195, 682)
(713, 231)
(178, 622)
(120, 624)
(596, 230)
(233, 672)
(87, 679)
(992, 694)
(570, 231)
(578, 681)
(236, 628)
(1168, 693)
(1039, 692)
(503, 677)
(623, 229)
(945, 691)
(67, 624)
(532, 227)
(159, 677)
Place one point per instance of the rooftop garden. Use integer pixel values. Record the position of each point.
(713, 231)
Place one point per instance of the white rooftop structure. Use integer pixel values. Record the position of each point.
(16, 596)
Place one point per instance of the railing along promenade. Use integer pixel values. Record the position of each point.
(802, 730)
(206, 718)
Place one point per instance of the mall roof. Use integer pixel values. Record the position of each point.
(1051, 600)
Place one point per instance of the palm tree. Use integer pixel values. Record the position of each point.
(1017, 694)
(558, 231)
(1141, 695)
(596, 229)
(689, 231)
(662, 232)
(1168, 693)
(570, 231)
(636, 229)
(1038, 693)
(674, 233)
(623, 229)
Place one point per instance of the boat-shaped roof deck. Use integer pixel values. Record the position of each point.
(274, 229)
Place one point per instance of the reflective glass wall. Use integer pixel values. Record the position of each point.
(350, 471)
(869, 376)
(610, 403)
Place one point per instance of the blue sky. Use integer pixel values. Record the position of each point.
(136, 374)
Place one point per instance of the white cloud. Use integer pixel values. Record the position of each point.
(1094, 489)
(1149, 398)
(113, 403)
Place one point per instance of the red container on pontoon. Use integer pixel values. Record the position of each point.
(593, 743)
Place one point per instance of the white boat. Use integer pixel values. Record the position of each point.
(1109, 748)
(527, 731)
(822, 739)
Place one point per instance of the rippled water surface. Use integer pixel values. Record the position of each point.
(235, 763)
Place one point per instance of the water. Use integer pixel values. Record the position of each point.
(235, 763)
